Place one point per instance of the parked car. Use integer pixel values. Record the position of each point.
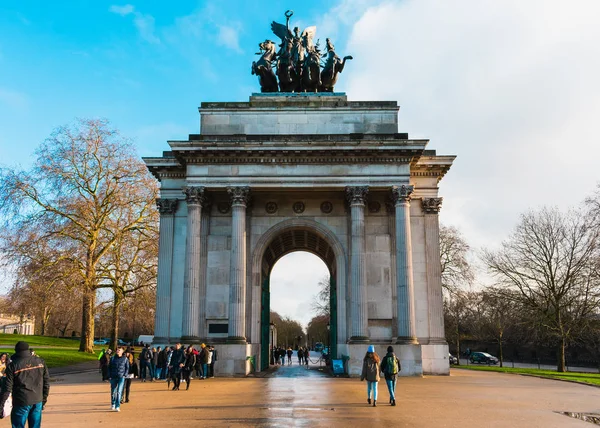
(483, 358)
(123, 343)
(100, 342)
(452, 359)
(318, 347)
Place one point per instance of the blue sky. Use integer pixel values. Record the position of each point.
(511, 87)
(146, 66)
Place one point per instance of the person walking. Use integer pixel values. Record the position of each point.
(28, 381)
(188, 366)
(390, 366)
(153, 364)
(175, 366)
(370, 372)
(145, 359)
(131, 374)
(300, 356)
(306, 356)
(104, 360)
(214, 357)
(118, 369)
(289, 355)
(204, 360)
(160, 363)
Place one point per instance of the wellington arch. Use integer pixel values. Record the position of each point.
(284, 172)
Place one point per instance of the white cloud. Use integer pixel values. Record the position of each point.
(229, 37)
(122, 10)
(510, 87)
(144, 23)
(145, 26)
(294, 281)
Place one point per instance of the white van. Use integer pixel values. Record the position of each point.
(144, 338)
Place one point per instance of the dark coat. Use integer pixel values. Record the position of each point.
(27, 380)
(118, 367)
(203, 356)
(190, 361)
(162, 359)
(370, 370)
(177, 358)
(384, 365)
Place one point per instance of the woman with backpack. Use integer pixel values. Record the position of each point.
(370, 372)
(390, 366)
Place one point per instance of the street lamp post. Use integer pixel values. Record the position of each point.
(272, 358)
(328, 343)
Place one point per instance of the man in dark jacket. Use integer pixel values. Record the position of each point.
(28, 381)
(177, 362)
(118, 370)
(390, 366)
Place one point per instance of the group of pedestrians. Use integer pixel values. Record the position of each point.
(173, 364)
(280, 354)
(373, 365)
(303, 356)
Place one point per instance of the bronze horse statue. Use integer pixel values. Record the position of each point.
(263, 67)
(311, 72)
(333, 66)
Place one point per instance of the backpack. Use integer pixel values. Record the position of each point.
(392, 366)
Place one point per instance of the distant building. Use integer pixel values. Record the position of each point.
(22, 324)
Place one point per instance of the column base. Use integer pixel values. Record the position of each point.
(359, 339)
(407, 341)
(236, 340)
(435, 359)
(437, 341)
(191, 339)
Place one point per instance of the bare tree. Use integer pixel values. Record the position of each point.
(288, 330)
(458, 316)
(456, 269)
(321, 304)
(550, 263)
(130, 264)
(84, 175)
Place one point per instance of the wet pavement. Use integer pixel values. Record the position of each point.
(295, 397)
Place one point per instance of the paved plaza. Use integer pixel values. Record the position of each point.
(295, 397)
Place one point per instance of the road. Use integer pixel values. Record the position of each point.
(464, 362)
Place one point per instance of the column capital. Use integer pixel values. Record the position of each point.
(431, 205)
(357, 194)
(194, 195)
(402, 193)
(239, 195)
(166, 206)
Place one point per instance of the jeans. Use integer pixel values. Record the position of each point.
(372, 386)
(391, 384)
(158, 373)
(116, 391)
(31, 414)
(205, 370)
(152, 370)
(143, 367)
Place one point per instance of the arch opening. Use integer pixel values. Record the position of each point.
(278, 243)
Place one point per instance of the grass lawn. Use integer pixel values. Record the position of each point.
(56, 357)
(60, 352)
(12, 339)
(589, 378)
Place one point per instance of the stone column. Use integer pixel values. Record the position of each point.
(359, 332)
(194, 196)
(404, 273)
(237, 272)
(166, 208)
(205, 225)
(431, 208)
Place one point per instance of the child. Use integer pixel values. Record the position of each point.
(370, 372)
(390, 366)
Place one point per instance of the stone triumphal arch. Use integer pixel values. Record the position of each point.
(301, 171)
